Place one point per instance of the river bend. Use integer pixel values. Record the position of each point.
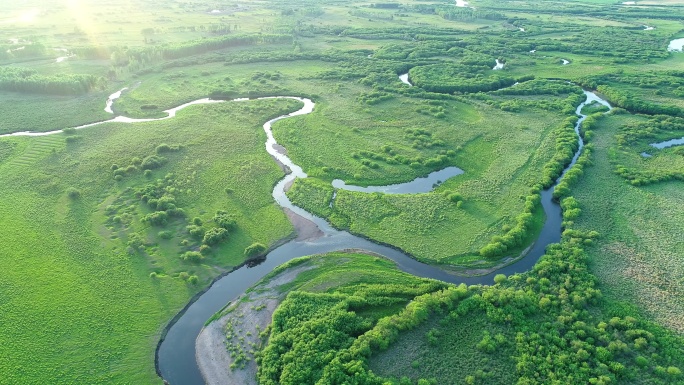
(175, 356)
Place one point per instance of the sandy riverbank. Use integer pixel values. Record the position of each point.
(246, 317)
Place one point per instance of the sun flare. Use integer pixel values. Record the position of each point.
(29, 16)
(83, 20)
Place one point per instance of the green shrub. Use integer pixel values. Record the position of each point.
(152, 162)
(196, 231)
(192, 256)
(254, 249)
(164, 203)
(162, 148)
(487, 344)
(455, 197)
(157, 218)
(214, 236)
(225, 220)
(73, 193)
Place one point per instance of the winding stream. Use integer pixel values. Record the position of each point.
(175, 357)
(112, 98)
(176, 353)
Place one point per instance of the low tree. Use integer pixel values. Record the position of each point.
(73, 193)
(254, 250)
(214, 236)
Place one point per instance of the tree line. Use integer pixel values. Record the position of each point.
(29, 81)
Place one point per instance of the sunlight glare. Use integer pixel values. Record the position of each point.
(29, 16)
(83, 19)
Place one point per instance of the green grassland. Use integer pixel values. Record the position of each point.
(445, 349)
(71, 271)
(75, 23)
(46, 113)
(341, 272)
(633, 259)
(494, 153)
(176, 86)
(534, 327)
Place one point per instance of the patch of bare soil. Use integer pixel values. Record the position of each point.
(238, 331)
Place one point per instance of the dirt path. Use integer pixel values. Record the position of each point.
(238, 329)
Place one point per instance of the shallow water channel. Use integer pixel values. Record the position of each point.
(664, 144)
(668, 143)
(175, 357)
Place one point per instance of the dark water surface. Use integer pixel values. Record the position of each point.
(416, 186)
(668, 143)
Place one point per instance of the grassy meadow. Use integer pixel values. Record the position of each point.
(428, 351)
(634, 262)
(493, 152)
(80, 276)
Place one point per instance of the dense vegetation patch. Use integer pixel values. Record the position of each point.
(28, 80)
(450, 78)
(551, 316)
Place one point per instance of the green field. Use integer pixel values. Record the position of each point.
(428, 352)
(634, 261)
(74, 272)
(493, 152)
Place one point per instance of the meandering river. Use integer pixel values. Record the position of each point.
(176, 353)
(175, 358)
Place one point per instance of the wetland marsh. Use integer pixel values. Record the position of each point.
(500, 176)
